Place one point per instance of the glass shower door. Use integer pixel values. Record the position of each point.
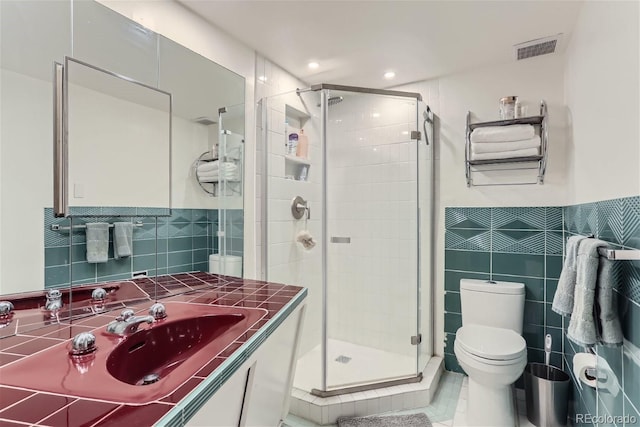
(372, 238)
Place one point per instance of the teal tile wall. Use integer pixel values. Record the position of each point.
(616, 221)
(526, 244)
(163, 245)
(506, 244)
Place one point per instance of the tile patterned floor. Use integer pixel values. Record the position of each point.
(448, 408)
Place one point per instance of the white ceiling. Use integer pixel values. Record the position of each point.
(355, 42)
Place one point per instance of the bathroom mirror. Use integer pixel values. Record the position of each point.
(118, 142)
(36, 251)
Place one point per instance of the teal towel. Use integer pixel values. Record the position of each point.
(122, 239)
(97, 242)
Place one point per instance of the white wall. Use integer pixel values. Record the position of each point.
(478, 91)
(118, 150)
(602, 87)
(25, 179)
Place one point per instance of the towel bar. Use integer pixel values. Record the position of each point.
(620, 254)
(58, 227)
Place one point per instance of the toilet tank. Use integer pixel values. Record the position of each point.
(497, 304)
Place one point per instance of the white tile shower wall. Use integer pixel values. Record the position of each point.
(287, 261)
(372, 191)
(604, 115)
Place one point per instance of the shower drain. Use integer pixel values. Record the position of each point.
(343, 359)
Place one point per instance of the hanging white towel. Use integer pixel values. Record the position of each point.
(497, 147)
(97, 242)
(506, 154)
(563, 298)
(582, 326)
(502, 133)
(122, 239)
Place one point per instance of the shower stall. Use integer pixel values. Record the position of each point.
(351, 220)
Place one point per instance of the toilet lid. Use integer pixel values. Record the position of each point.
(491, 343)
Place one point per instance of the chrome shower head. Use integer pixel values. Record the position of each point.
(334, 100)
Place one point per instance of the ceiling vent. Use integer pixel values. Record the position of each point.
(537, 47)
(204, 121)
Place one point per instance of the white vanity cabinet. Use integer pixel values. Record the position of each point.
(258, 393)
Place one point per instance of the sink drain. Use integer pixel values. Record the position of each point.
(150, 379)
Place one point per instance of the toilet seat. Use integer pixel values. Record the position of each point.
(496, 346)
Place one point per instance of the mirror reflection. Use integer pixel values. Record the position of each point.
(118, 141)
(39, 252)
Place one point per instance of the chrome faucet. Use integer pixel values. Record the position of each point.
(126, 324)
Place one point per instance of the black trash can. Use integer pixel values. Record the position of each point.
(547, 393)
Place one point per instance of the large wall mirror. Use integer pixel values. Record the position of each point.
(118, 138)
(39, 251)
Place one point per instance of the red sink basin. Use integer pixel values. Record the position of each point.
(161, 349)
(174, 348)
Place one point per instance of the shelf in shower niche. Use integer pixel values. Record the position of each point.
(296, 168)
(297, 160)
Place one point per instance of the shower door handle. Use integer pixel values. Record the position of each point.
(335, 239)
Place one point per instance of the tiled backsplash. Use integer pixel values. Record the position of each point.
(506, 244)
(526, 245)
(184, 242)
(616, 221)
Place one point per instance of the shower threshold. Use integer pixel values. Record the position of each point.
(365, 387)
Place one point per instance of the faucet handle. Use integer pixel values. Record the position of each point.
(158, 311)
(98, 295)
(6, 308)
(82, 344)
(53, 294)
(127, 313)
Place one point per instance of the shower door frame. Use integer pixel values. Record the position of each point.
(263, 120)
(324, 104)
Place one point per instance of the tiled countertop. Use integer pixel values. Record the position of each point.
(29, 407)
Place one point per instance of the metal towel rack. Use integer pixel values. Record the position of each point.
(617, 254)
(620, 254)
(58, 227)
(538, 162)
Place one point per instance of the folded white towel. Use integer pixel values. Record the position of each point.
(502, 133)
(505, 154)
(496, 147)
(218, 173)
(209, 166)
(215, 166)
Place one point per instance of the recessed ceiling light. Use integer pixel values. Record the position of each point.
(389, 75)
(262, 78)
(313, 65)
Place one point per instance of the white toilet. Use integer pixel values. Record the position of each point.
(490, 348)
